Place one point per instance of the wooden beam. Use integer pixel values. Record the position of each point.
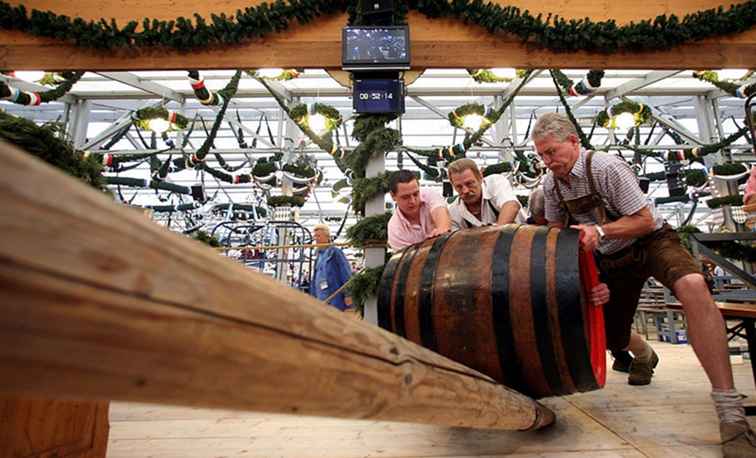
(435, 43)
(98, 302)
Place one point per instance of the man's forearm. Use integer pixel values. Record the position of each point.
(508, 212)
(629, 227)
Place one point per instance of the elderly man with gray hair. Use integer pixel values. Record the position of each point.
(481, 201)
(598, 194)
(332, 270)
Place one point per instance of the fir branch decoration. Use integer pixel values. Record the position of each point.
(698, 152)
(482, 75)
(584, 141)
(364, 285)
(373, 229)
(364, 189)
(8, 92)
(456, 116)
(286, 201)
(228, 91)
(736, 90)
(695, 177)
(300, 170)
(380, 141)
(264, 168)
(640, 112)
(586, 86)
(365, 124)
(300, 112)
(718, 202)
(142, 118)
(204, 237)
(501, 167)
(555, 33)
(729, 169)
(45, 143)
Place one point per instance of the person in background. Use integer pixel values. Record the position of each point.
(481, 201)
(332, 270)
(420, 213)
(598, 194)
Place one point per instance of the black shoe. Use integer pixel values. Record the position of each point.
(622, 361)
(642, 371)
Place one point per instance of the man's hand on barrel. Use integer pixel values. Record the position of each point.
(439, 231)
(589, 236)
(600, 294)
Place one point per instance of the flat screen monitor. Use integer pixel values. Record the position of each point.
(375, 48)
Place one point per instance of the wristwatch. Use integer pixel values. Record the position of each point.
(601, 232)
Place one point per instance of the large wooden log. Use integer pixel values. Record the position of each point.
(35, 428)
(435, 43)
(98, 302)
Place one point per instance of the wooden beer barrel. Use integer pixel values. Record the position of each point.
(508, 301)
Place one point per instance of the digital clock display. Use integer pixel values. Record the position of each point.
(378, 96)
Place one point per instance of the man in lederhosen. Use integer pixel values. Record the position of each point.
(599, 195)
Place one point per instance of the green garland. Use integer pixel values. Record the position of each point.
(286, 201)
(555, 33)
(369, 229)
(584, 140)
(228, 92)
(286, 75)
(718, 202)
(299, 170)
(696, 153)
(640, 112)
(364, 285)
(142, 118)
(61, 89)
(482, 75)
(364, 189)
(204, 237)
(728, 169)
(44, 142)
(380, 141)
(457, 116)
(729, 87)
(300, 112)
(695, 177)
(264, 168)
(501, 167)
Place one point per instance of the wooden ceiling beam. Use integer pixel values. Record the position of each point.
(437, 43)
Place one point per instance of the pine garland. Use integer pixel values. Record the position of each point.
(286, 201)
(482, 75)
(369, 229)
(264, 168)
(584, 141)
(698, 152)
(300, 170)
(380, 141)
(45, 143)
(729, 169)
(142, 117)
(586, 86)
(457, 116)
(501, 167)
(718, 202)
(730, 87)
(364, 285)
(364, 189)
(640, 112)
(17, 96)
(555, 33)
(204, 237)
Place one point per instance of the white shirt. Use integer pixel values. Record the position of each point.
(496, 191)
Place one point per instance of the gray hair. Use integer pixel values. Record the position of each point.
(322, 227)
(554, 124)
(460, 165)
(537, 203)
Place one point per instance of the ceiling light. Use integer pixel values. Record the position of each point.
(31, 76)
(317, 123)
(158, 125)
(504, 73)
(624, 121)
(472, 122)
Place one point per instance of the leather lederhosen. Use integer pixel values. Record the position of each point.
(587, 203)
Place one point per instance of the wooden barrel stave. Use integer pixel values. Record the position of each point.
(506, 301)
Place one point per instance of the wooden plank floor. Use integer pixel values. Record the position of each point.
(673, 417)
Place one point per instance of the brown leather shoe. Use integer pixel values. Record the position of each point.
(738, 440)
(642, 371)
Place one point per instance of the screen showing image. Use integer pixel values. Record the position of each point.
(376, 45)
